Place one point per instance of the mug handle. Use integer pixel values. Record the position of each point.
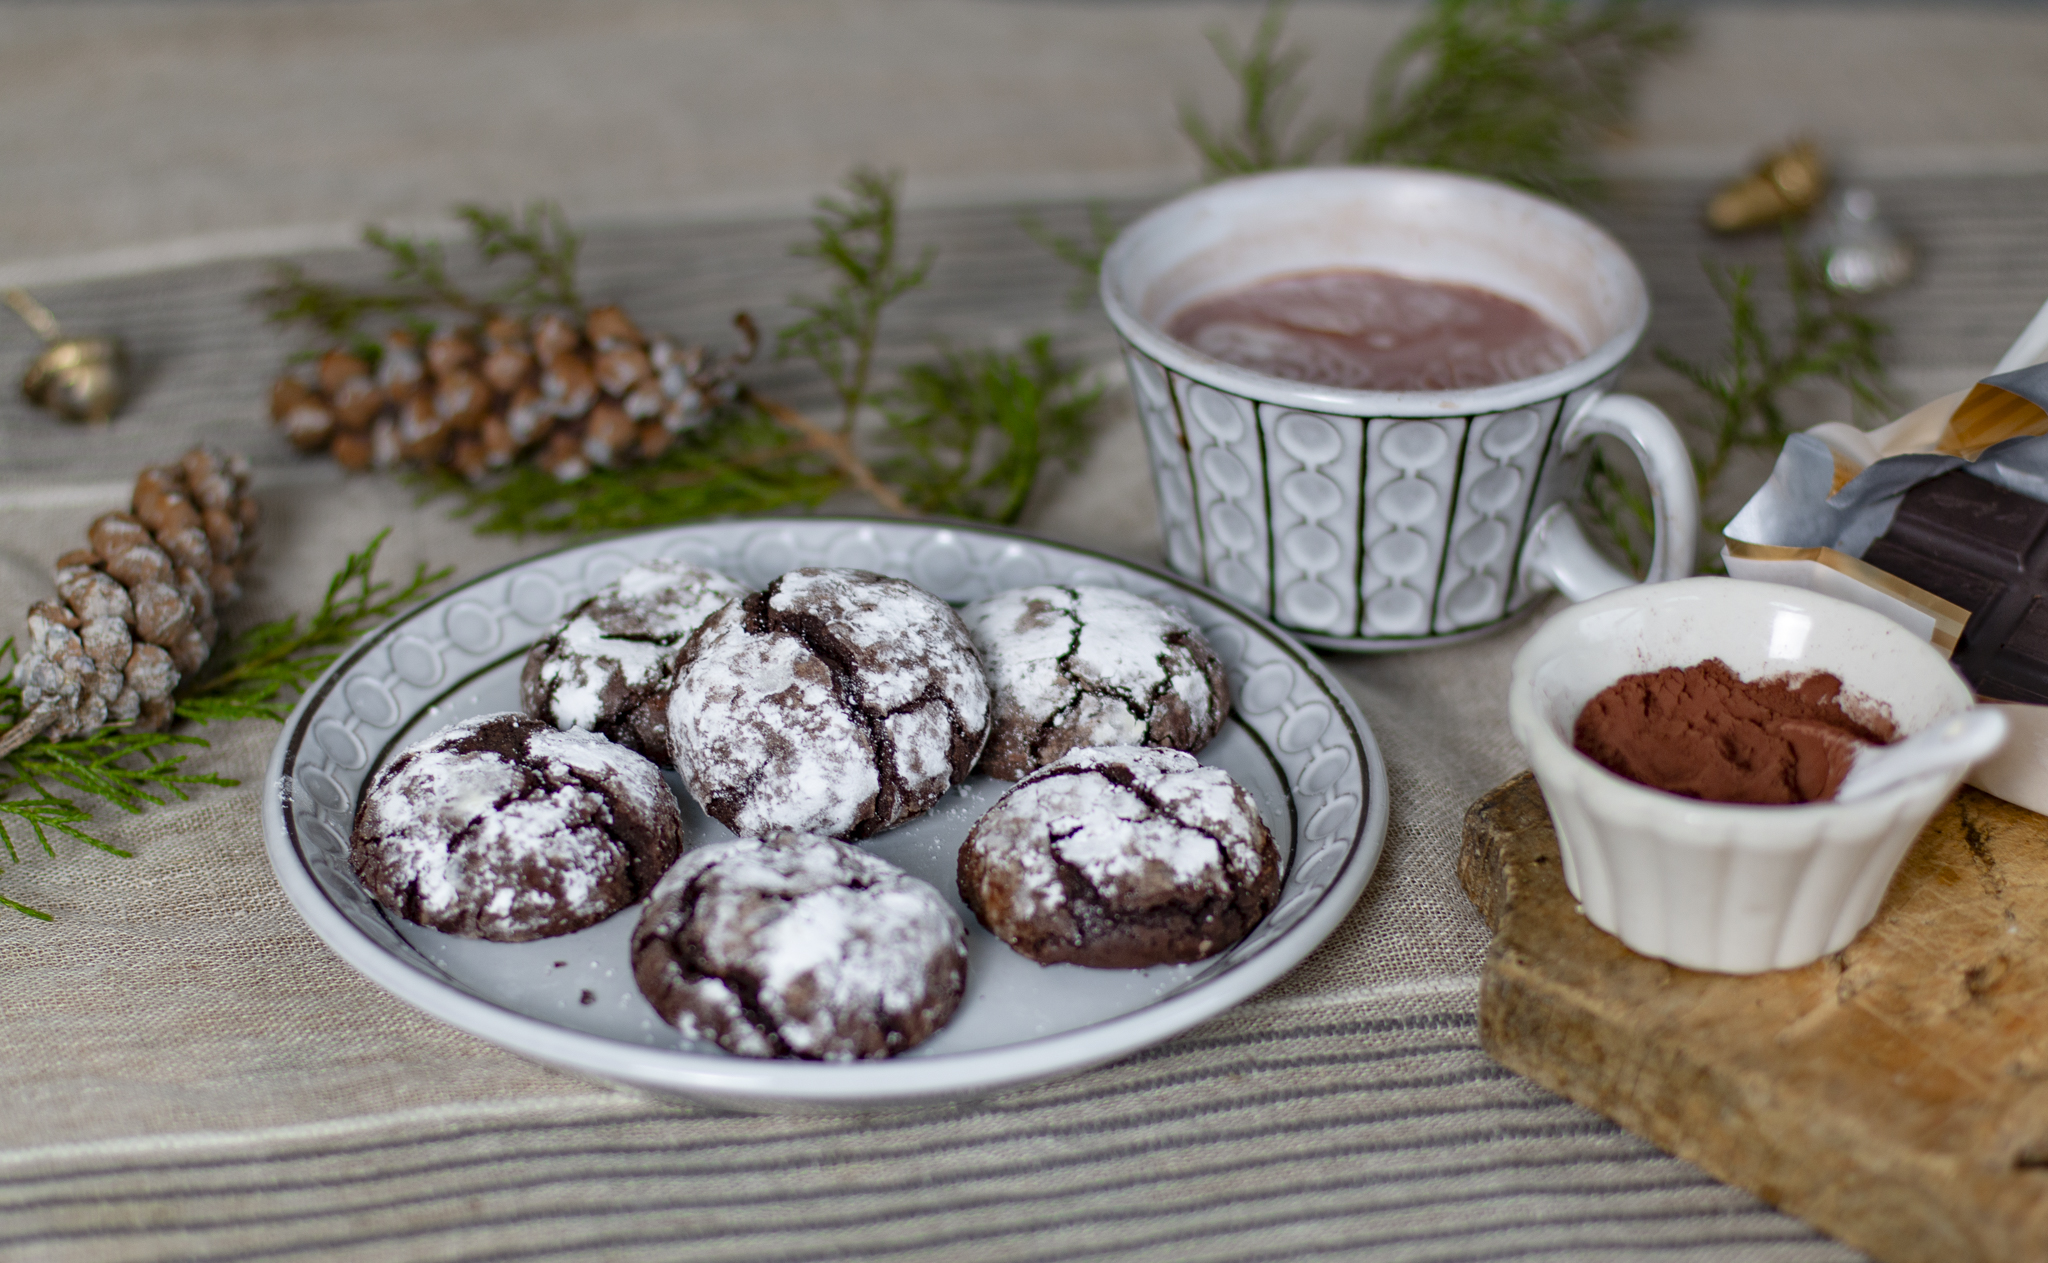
(1558, 554)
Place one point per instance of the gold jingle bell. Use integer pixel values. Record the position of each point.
(78, 378)
(1786, 183)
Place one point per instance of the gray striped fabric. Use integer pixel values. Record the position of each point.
(1287, 1132)
(186, 1073)
(206, 356)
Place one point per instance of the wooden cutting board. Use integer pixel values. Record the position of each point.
(1894, 1094)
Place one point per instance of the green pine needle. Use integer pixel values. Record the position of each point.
(542, 237)
(260, 672)
(1520, 90)
(970, 452)
(1826, 340)
(257, 675)
(418, 280)
(1262, 136)
(131, 770)
(1743, 390)
(974, 428)
(25, 910)
(857, 241)
(738, 462)
(1084, 256)
(292, 298)
(1624, 513)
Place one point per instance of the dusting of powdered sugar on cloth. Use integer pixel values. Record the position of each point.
(629, 633)
(835, 702)
(790, 946)
(1177, 824)
(1091, 666)
(502, 827)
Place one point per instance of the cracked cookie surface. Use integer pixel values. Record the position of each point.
(610, 665)
(503, 828)
(1119, 858)
(799, 946)
(834, 701)
(1072, 667)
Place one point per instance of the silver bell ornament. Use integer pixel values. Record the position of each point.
(1858, 253)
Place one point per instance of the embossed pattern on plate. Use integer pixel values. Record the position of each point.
(1325, 793)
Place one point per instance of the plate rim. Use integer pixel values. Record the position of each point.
(755, 1084)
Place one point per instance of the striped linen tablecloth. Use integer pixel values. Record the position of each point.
(185, 1072)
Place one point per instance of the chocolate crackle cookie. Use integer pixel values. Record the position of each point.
(800, 946)
(1075, 667)
(836, 702)
(1120, 858)
(503, 828)
(610, 665)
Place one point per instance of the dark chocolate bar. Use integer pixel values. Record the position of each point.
(1985, 548)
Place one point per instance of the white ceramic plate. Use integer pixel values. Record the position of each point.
(1295, 739)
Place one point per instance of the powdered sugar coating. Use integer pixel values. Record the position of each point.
(504, 828)
(609, 666)
(1121, 857)
(799, 946)
(1073, 667)
(835, 701)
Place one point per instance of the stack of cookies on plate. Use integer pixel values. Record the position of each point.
(826, 708)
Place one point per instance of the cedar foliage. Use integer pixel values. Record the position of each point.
(965, 433)
(1518, 90)
(47, 787)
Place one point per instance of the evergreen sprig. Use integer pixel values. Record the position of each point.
(856, 239)
(754, 454)
(739, 462)
(966, 433)
(1519, 90)
(292, 298)
(260, 672)
(542, 237)
(130, 770)
(1262, 136)
(975, 427)
(1826, 340)
(1084, 255)
(1743, 390)
(418, 281)
(45, 785)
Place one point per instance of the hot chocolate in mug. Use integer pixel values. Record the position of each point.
(1370, 520)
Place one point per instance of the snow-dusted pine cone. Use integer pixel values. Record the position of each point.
(571, 396)
(135, 612)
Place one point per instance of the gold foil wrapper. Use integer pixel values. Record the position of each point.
(1947, 617)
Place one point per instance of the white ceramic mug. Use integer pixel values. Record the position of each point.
(1371, 520)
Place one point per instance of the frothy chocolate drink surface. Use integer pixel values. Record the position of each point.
(1365, 330)
(1704, 732)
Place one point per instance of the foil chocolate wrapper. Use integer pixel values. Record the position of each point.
(1888, 519)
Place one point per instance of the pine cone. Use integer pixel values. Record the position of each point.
(136, 609)
(570, 396)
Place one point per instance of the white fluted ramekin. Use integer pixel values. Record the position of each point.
(1727, 887)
